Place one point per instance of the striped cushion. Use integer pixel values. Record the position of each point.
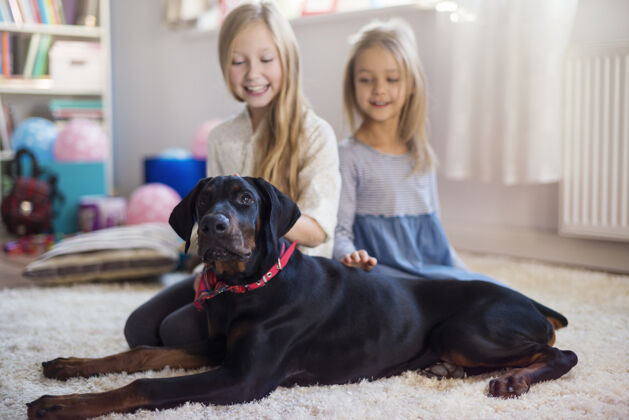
(110, 254)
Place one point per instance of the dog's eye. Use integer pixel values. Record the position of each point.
(245, 198)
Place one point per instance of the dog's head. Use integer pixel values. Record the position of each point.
(240, 220)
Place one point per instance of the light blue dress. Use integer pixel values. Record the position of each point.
(393, 214)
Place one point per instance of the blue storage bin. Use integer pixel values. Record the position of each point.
(181, 174)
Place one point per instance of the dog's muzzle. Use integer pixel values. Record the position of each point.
(220, 239)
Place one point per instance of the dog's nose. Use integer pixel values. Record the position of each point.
(216, 224)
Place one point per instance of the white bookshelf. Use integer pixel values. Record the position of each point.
(55, 30)
(15, 90)
(43, 86)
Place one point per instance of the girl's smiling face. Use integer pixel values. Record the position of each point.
(255, 71)
(380, 85)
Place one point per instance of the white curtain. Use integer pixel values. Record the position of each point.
(503, 77)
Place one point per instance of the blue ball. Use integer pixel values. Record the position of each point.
(37, 135)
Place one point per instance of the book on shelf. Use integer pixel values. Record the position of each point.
(61, 12)
(15, 12)
(24, 55)
(4, 11)
(66, 109)
(61, 103)
(70, 8)
(27, 11)
(1, 56)
(19, 46)
(61, 17)
(7, 61)
(36, 13)
(41, 6)
(41, 60)
(29, 64)
(52, 12)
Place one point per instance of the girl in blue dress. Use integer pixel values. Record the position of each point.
(388, 217)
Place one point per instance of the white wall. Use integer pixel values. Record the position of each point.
(166, 83)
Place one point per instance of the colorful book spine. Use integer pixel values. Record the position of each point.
(27, 11)
(51, 12)
(6, 11)
(61, 16)
(61, 103)
(6, 54)
(15, 11)
(70, 9)
(42, 11)
(41, 61)
(36, 12)
(66, 109)
(33, 46)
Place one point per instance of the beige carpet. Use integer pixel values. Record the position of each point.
(87, 320)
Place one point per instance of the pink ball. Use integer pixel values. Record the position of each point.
(81, 141)
(151, 202)
(199, 144)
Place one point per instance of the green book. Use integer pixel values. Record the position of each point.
(59, 103)
(41, 61)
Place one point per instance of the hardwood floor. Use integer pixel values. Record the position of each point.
(11, 271)
(11, 266)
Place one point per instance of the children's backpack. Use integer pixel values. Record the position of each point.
(28, 208)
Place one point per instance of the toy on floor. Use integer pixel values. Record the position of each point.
(37, 135)
(32, 244)
(151, 202)
(81, 140)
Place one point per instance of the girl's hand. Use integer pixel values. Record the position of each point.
(359, 259)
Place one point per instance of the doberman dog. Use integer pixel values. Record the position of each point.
(311, 320)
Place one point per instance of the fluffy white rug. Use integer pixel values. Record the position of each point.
(87, 320)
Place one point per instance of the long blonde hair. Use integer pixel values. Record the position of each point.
(396, 37)
(278, 136)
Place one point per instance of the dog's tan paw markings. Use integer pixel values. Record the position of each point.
(508, 386)
(62, 368)
(42, 408)
(54, 407)
(444, 370)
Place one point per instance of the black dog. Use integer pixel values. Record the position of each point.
(315, 321)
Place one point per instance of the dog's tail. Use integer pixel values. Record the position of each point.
(554, 317)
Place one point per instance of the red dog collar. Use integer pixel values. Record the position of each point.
(210, 286)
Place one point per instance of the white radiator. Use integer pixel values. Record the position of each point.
(595, 187)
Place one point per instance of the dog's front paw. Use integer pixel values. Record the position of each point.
(508, 386)
(63, 368)
(51, 407)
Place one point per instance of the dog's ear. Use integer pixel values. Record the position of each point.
(281, 212)
(182, 218)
